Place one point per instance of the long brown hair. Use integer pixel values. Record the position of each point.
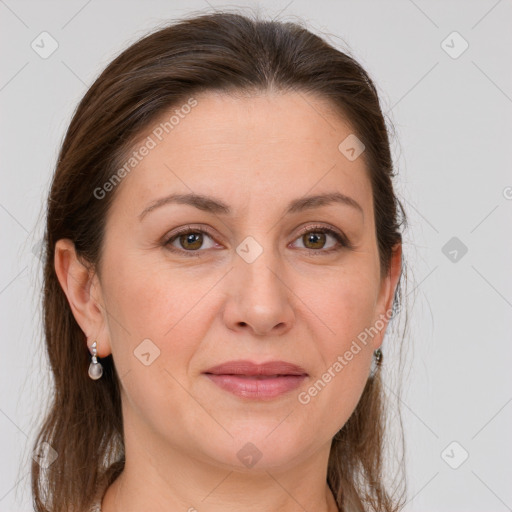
(223, 51)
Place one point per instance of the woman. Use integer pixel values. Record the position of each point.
(223, 257)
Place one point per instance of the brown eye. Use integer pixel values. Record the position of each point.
(191, 241)
(314, 240)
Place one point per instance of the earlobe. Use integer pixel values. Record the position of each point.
(77, 282)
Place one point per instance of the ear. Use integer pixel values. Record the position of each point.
(386, 296)
(83, 291)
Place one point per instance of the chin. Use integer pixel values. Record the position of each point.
(260, 448)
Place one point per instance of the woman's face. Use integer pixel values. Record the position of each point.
(254, 280)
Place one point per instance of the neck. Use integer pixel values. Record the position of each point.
(172, 479)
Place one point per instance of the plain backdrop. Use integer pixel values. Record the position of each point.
(444, 77)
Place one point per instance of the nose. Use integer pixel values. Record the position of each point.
(259, 299)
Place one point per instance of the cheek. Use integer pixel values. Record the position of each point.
(346, 308)
(149, 319)
(170, 309)
(344, 303)
(155, 329)
(153, 299)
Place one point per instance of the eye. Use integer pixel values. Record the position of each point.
(190, 239)
(314, 239)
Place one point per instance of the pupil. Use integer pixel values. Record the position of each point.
(314, 238)
(192, 238)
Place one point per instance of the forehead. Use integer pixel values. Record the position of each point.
(247, 149)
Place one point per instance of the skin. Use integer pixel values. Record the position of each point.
(182, 433)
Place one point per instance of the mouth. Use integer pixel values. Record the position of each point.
(255, 381)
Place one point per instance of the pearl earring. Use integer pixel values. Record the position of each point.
(95, 368)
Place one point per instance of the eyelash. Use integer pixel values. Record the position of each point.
(343, 242)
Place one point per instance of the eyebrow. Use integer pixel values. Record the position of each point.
(216, 206)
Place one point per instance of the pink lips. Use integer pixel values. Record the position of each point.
(257, 381)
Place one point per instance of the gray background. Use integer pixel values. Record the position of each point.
(452, 115)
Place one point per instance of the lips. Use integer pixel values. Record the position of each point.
(250, 369)
(264, 381)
